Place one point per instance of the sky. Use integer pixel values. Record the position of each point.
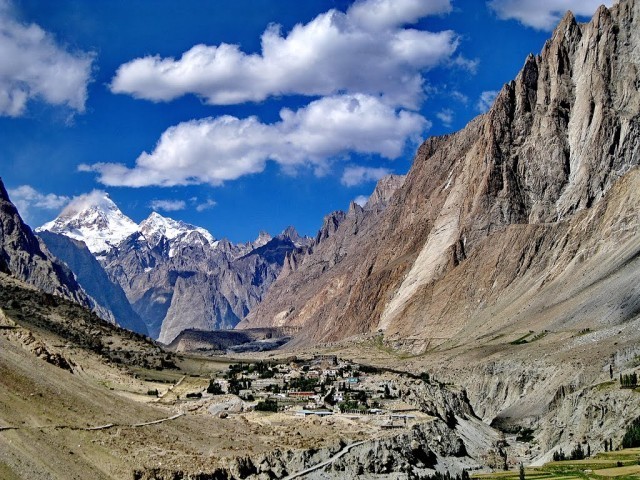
(243, 116)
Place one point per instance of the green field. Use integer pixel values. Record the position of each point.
(621, 465)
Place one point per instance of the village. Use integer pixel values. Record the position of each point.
(321, 386)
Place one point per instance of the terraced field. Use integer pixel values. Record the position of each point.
(621, 465)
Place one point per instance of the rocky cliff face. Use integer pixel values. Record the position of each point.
(315, 274)
(494, 213)
(22, 256)
(94, 280)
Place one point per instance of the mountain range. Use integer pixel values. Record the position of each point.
(174, 276)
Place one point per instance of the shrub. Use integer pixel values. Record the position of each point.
(525, 435)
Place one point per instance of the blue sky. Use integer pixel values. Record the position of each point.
(243, 115)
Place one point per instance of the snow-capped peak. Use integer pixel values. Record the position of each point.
(94, 219)
(156, 226)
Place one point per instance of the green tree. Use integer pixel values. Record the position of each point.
(214, 388)
(267, 406)
(387, 391)
(577, 453)
(559, 456)
(631, 437)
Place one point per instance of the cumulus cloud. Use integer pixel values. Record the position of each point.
(361, 200)
(168, 205)
(34, 66)
(27, 199)
(486, 100)
(357, 175)
(214, 150)
(543, 14)
(445, 116)
(367, 50)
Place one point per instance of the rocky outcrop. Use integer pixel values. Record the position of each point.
(496, 213)
(416, 452)
(22, 256)
(217, 341)
(94, 280)
(385, 188)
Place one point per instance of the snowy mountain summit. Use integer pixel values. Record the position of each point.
(155, 228)
(95, 220)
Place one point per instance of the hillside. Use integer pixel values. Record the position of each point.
(22, 256)
(94, 280)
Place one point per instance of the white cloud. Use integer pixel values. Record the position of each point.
(26, 199)
(361, 200)
(486, 100)
(95, 198)
(168, 205)
(543, 14)
(383, 14)
(446, 116)
(213, 150)
(206, 205)
(365, 50)
(34, 66)
(357, 175)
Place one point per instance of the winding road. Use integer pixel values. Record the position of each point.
(325, 463)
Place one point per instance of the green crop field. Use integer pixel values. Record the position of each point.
(620, 465)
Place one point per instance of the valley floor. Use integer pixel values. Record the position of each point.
(82, 399)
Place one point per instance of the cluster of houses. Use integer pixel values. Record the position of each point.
(323, 385)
